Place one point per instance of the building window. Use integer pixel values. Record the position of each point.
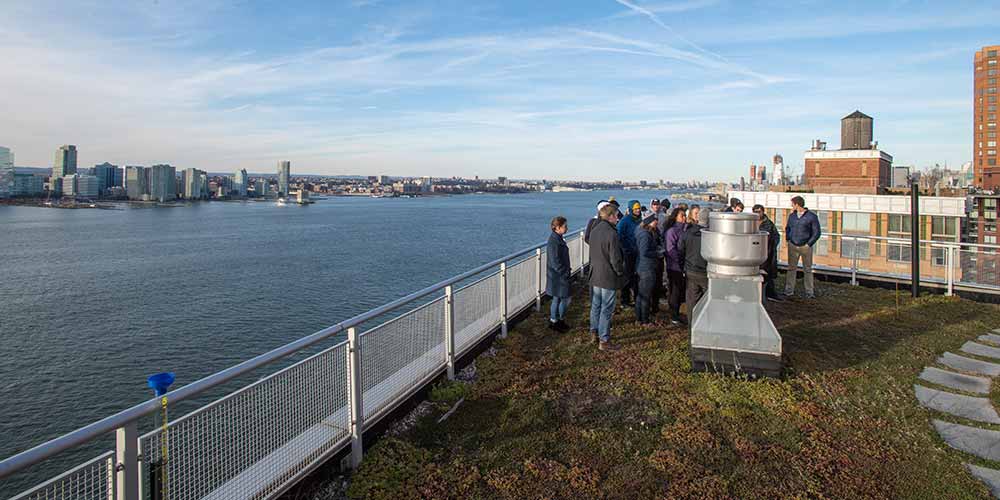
(942, 229)
(823, 244)
(991, 152)
(855, 224)
(991, 108)
(989, 239)
(991, 81)
(991, 53)
(899, 227)
(991, 144)
(992, 62)
(991, 90)
(992, 162)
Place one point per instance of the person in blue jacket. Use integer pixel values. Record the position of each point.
(802, 231)
(626, 237)
(557, 275)
(647, 237)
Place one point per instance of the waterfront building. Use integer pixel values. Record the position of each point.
(162, 183)
(195, 184)
(941, 219)
(65, 163)
(118, 179)
(984, 118)
(260, 188)
(105, 173)
(86, 186)
(284, 171)
(28, 185)
(6, 173)
(240, 181)
(858, 167)
(137, 182)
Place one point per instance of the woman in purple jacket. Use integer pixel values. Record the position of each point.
(676, 225)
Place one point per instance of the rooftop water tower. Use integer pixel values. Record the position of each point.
(731, 331)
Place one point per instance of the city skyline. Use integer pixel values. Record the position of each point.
(616, 89)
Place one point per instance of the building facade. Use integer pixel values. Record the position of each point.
(284, 172)
(986, 172)
(240, 183)
(137, 183)
(260, 188)
(6, 173)
(105, 173)
(162, 183)
(28, 185)
(87, 186)
(881, 216)
(858, 167)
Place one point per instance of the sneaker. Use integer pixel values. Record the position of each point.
(563, 326)
(608, 346)
(554, 326)
(810, 295)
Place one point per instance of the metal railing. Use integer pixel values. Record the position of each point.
(951, 265)
(262, 438)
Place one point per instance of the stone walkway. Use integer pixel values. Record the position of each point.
(968, 377)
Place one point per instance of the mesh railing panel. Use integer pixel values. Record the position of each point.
(575, 258)
(477, 311)
(978, 267)
(252, 442)
(520, 285)
(401, 353)
(92, 480)
(544, 276)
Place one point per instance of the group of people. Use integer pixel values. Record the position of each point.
(632, 252)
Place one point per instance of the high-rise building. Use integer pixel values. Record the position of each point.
(87, 186)
(119, 177)
(260, 187)
(105, 173)
(240, 181)
(193, 181)
(65, 161)
(28, 185)
(162, 183)
(986, 172)
(284, 171)
(137, 183)
(778, 170)
(67, 185)
(6, 173)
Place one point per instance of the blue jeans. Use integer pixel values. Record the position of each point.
(602, 306)
(558, 309)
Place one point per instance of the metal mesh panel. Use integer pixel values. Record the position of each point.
(978, 267)
(92, 480)
(544, 276)
(252, 442)
(399, 354)
(575, 259)
(477, 311)
(520, 285)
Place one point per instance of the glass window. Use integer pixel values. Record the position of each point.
(991, 53)
(822, 246)
(849, 246)
(989, 202)
(991, 144)
(992, 162)
(899, 227)
(856, 223)
(898, 253)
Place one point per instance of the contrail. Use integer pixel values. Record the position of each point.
(656, 19)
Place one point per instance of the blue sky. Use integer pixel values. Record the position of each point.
(616, 89)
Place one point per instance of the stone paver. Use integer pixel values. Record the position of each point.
(979, 442)
(981, 350)
(969, 407)
(967, 383)
(989, 476)
(964, 364)
(989, 337)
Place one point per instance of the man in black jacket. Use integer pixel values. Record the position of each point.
(770, 266)
(695, 266)
(607, 275)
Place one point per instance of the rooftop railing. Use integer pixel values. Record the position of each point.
(259, 440)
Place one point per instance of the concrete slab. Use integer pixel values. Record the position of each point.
(979, 442)
(958, 381)
(964, 364)
(981, 350)
(970, 407)
(989, 337)
(991, 477)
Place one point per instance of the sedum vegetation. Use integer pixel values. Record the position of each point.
(552, 417)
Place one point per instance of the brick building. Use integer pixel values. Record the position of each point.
(859, 167)
(986, 172)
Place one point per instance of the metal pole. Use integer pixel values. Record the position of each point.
(951, 270)
(356, 389)
(538, 280)
(503, 300)
(582, 248)
(854, 263)
(915, 239)
(449, 330)
(127, 462)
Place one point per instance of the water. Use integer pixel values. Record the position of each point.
(94, 301)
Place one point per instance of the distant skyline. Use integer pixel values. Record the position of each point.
(595, 90)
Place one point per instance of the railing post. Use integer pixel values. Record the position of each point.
(449, 330)
(854, 263)
(538, 279)
(503, 300)
(127, 462)
(580, 239)
(950, 259)
(356, 390)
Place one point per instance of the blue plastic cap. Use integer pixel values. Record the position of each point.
(160, 383)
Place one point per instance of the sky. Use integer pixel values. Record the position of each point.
(580, 89)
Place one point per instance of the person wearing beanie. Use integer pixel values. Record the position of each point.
(592, 222)
(557, 274)
(607, 276)
(695, 266)
(626, 236)
(650, 255)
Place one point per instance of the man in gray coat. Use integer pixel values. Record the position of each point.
(607, 275)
